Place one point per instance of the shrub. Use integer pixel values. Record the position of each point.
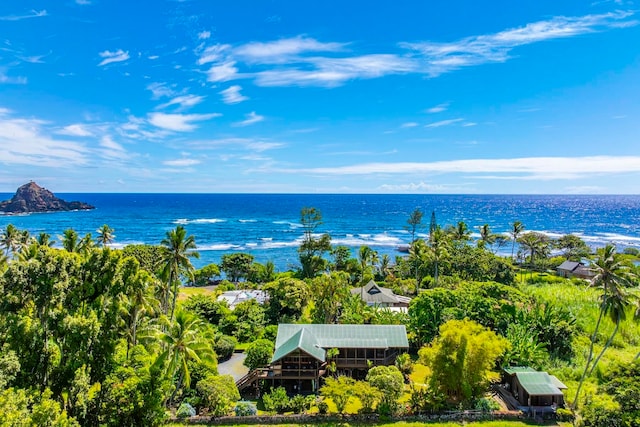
(219, 393)
(185, 411)
(487, 405)
(245, 409)
(300, 404)
(564, 415)
(276, 401)
(225, 346)
(323, 407)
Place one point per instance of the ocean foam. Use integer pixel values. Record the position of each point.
(184, 221)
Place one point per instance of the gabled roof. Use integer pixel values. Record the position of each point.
(512, 370)
(374, 294)
(569, 265)
(315, 339)
(302, 340)
(540, 383)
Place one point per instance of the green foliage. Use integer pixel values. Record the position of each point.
(491, 304)
(312, 248)
(368, 395)
(9, 366)
(250, 320)
(236, 266)
(276, 401)
(148, 256)
(328, 292)
(300, 404)
(485, 404)
(525, 349)
(573, 247)
(404, 364)
(205, 275)
(259, 354)
(219, 394)
(185, 410)
(461, 359)
(245, 409)
(340, 390)
(623, 384)
(390, 382)
(601, 411)
(224, 347)
(287, 298)
(207, 307)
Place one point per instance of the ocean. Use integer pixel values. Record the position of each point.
(268, 225)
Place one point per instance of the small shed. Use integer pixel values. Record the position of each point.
(534, 388)
(574, 269)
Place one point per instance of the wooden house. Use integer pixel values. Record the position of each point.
(377, 296)
(570, 269)
(301, 358)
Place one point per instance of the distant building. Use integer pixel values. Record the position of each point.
(570, 269)
(532, 388)
(374, 295)
(300, 357)
(233, 298)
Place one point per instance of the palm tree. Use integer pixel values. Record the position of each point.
(414, 223)
(612, 276)
(105, 235)
(384, 268)
(10, 239)
(418, 254)
(139, 302)
(86, 244)
(179, 248)
(535, 243)
(70, 240)
(44, 239)
(486, 236)
(185, 340)
(516, 229)
(439, 249)
(460, 233)
(367, 258)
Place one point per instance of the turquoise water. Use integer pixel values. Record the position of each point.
(268, 225)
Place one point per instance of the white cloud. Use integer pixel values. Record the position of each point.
(251, 118)
(255, 145)
(160, 90)
(112, 150)
(438, 108)
(183, 101)
(213, 53)
(34, 14)
(222, 72)
(282, 50)
(409, 125)
(439, 58)
(443, 123)
(83, 2)
(111, 57)
(332, 72)
(570, 167)
(26, 142)
(232, 95)
(179, 122)
(181, 162)
(469, 124)
(75, 130)
(422, 187)
(6, 79)
(204, 35)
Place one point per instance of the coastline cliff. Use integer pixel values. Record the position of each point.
(33, 198)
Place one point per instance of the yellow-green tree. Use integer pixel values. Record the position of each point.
(461, 359)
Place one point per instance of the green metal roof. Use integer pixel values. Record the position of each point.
(515, 369)
(314, 339)
(539, 383)
(301, 340)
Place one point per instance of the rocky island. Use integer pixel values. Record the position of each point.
(33, 198)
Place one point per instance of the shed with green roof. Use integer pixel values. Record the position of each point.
(534, 388)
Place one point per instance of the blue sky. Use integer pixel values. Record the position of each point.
(331, 97)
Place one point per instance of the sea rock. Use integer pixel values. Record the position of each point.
(33, 198)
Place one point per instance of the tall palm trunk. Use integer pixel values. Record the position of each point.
(607, 344)
(586, 366)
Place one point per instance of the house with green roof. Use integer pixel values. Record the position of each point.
(532, 388)
(301, 356)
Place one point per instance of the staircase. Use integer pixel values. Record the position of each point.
(248, 379)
